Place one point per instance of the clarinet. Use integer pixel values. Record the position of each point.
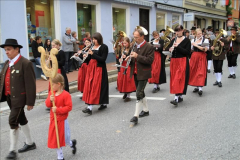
(123, 53)
(84, 58)
(129, 60)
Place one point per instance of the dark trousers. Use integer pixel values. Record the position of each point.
(68, 61)
(17, 115)
(140, 85)
(217, 65)
(232, 60)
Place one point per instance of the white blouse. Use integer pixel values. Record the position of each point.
(201, 42)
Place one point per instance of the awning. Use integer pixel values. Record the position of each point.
(137, 2)
(208, 15)
(170, 8)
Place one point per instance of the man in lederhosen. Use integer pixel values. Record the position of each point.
(141, 63)
(18, 88)
(233, 52)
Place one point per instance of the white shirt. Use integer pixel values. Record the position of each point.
(12, 61)
(139, 45)
(201, 42)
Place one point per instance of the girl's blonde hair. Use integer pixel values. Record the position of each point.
(58, 79)
(57, 42)
(198, 30)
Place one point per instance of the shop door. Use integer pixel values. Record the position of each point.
(144, 21)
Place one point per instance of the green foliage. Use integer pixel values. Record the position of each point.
(229, 8)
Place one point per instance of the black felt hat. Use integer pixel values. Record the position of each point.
(193, 28)
(162, 30)
(234, 28)
(11, 42)
(209, 27)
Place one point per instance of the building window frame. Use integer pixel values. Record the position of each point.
(165, 19)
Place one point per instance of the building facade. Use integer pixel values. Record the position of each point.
(207, 13)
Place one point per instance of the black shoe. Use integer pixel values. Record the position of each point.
(180, 99)
(219, 84)
(124, 96)
(127, 99)
(70, 71)
(48, 109)
(60, 159)
(200, 92)
(134, 120)
(216, 83)
(12, 155)
(230, 76)
(74, 142)
(116, 88)
(174, 102)
(102, 107)
(87, 110)
(143, 114)
(195, 90)
(234, 76)
(80, 97)
(67, 72)
(27, 147)
(209, 71)
(155, 90)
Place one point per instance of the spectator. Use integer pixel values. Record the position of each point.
(47, 45)
(187, 34)
(75, 50)
(37, 55)
(162, 31)
(87, 36)
(68, 49)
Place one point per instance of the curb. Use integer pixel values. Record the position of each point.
(112, 77)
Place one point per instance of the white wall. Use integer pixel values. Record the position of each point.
(68, 16)
(14, 25)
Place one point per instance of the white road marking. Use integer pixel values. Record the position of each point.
(4, 108)
(133, 97)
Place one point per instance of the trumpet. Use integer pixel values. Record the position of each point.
(154, 40)
(233, 37)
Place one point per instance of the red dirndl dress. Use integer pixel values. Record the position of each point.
(81, 76)
(156, 68)
(125, 84)
(177, 75)
(92, 85)
(198, 69)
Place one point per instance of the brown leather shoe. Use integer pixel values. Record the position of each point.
(127, 99)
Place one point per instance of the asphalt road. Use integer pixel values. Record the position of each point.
(200, 128)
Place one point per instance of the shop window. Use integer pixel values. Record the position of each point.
(86, 19)
(119, 21)
(160, 19)
(40, 20)
(175, 21)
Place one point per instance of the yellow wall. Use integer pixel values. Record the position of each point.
(208, 9)
(235, 12)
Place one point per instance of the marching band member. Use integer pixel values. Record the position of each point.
(209, 52)
(18, 88)
(158, 66)
(218, 62)
(141, 61)
(125, 83)
(63, 106)
(198, 62)
(83, 68)
(234, 42)
(96, 90)
(179, 66)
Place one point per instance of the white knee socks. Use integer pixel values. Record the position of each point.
(89, 107)
(138, 108)
(13, 139)
(26, 131)
(209, 64)
(145, 106)
(216, 75)
(60, 153)
(219, 77)
(128, 95)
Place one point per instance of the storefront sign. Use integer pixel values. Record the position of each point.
(189, 17)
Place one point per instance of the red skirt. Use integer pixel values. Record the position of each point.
(81, 76)
(156, 68)
(125, 84)
(92, 85)
(198, 69)
(177, 75)
(52, 138)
